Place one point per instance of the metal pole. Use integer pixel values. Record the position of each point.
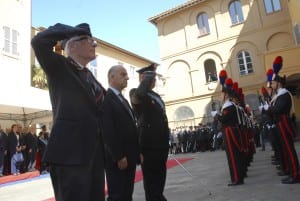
(188, 172)
(181, 165)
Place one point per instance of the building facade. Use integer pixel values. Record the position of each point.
(19, 102)
(199, 38)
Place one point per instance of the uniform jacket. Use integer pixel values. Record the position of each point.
(152, 120)
(229, 115)
(13, 142)
(281, 105)
(3, 141)
(31, 141)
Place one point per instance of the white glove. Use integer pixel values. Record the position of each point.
(214, 113)
(266, 106)
(260, 107)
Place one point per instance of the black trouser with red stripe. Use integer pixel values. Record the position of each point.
(279, 151)
(287, 140)
(233, 153)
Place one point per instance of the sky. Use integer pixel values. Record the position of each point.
(123, 23)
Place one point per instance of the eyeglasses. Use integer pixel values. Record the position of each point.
(89, 39)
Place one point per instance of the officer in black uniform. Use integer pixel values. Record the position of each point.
(229, 120)
(153, 133)
(281, 106)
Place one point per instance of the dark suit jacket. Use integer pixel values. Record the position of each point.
(13, 142)
(119, 131)
(31, 142)
(76, 129)
(3, 141)
(153, 126)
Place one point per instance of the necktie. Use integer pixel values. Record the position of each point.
(126, 104)
(89, 81)
(95, 87)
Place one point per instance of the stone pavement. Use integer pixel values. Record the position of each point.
(208, 182)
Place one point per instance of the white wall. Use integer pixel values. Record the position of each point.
(15, 88)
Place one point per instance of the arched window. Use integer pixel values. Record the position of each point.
(210, 70)
(202, 22)
(245, 63)
(183, 113)
(236, 12)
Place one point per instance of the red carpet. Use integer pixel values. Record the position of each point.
(12, 178)
(170, 163)
(139, 175)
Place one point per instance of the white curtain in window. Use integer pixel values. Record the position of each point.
(202, 22)
(236, 12)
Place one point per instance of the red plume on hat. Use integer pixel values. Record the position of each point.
(235, 86)
(240, 91)
(228, 83)
(269, 74)
(277, 64)
(222, 76)
(242, 97)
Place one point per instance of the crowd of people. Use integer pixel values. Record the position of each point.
(21, 150)
(191, 139)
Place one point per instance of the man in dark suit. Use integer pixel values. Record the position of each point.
(75, 147)
(120, 138)
(15, 143)
(31, 142)
(153, 134)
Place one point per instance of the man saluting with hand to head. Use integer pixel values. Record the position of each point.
(75, 148)
(153, 133)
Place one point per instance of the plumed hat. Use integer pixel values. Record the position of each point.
(78, 30)
(235, 90)
(227, 87)
(280, 79)
(269, 75)
(151, 67)
(222, 77)
(228, 83)
(240, 91)
(277, 65)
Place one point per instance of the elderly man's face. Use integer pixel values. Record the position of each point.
(84, 47)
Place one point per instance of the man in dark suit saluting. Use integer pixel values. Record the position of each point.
(120, 138)
(75, 147)
(153, 134)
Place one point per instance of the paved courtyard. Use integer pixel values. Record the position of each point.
(208, 182)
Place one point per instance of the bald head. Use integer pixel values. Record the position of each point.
(117, 77)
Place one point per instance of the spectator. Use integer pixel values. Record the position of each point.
(15, 150)
(3, 150)
(31, 148)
